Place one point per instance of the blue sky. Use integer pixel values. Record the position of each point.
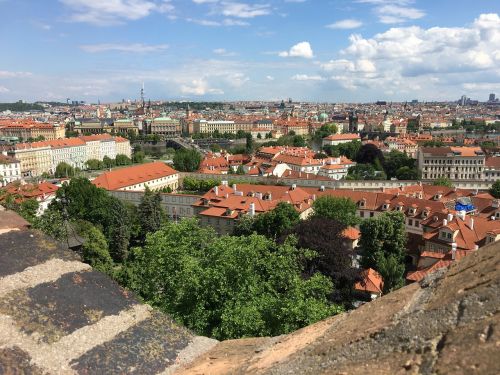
(312, 50)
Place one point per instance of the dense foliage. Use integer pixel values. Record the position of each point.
(187, 160)
(383, 245)
(443, 181)
(228, 286)
(495, 189)
(342, 210)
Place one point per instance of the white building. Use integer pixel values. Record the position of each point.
(336, 139)
(455, 163)
(69, 150)
(10, 169)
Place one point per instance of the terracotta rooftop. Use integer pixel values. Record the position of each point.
(122, 177)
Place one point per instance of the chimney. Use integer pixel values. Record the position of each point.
(251, 209)
(224, 183)
(453, 251)
(234, 187)
(450, 217)
(471, 225)
(476, 247)
(294, 186)
(322, 188)
(258, 195)
(445, 222)
(314, 197)
(216, 190)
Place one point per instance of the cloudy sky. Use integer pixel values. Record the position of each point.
(313, 50)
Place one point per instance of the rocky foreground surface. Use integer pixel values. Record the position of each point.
(58, 316)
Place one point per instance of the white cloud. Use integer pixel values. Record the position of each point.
(8, 74)
(212, 23)
(4, 89)
(432, 61)
(110, 12)
(345, 24)
(223, 52)
(132, 48)
(199, 87)
(305, 77)
(270, 78)
(302, 49)
(394, 11)
(243, 10)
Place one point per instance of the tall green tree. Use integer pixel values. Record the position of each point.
(227, 287)
(340, 209)
(64, 170)
(151, 213)
(271, 224)
(95, 249)
(383, 245)
(187, 160)
(122, 159)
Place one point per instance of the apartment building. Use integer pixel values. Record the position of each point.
(165, 126)
(155, 176)
(10, 169)
(35, 158)
(44, 193)
(492, 169)
(455, 163)
(38, 157)
(404, 145)
(31, 129)
(72, 151)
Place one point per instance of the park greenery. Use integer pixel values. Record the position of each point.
(187, 160)
(495, 189)
(276, 273)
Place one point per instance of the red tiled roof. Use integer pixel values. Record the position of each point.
(120, 178)
(372, 282)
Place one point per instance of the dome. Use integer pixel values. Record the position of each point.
(323, 117)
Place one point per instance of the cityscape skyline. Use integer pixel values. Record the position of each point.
(343, 51)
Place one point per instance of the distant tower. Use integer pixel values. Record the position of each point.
(188, 111)
(491, 98)
(142, 95)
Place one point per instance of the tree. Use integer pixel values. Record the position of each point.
(94, 164)
(340, 209)
(249, 145)
(52, 223)
(369, 154)
(95, 247)
(407, 173)
(325, 131)
(151, 214)
(443, 181)
(299, 141)
(259, 136)
(64, 170)
(215, 147)
(365, 172)
(273, 223)
(108, 162)
(495, 189)
(240, 170)
(187, 160)
(348, 149)
(383, 246)
(28, 209)
(395, 160)
(333, 258)
(138, 156)
(226, 286)
(123, 160)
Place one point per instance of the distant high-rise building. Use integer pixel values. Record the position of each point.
(463, 100)
(491, 98)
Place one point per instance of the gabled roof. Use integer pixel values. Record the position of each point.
(371, 282)
(123, 177)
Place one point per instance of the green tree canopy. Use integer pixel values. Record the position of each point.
(187, 160)
(272, 224)
(94, 164)
(123, 160)
(443, 181)
(95, 247)
(64, 170)
(151, 213)
(495, 189)
(227, 287)
(340, 209)
(383, 245)
(395, 160)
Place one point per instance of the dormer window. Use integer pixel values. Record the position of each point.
(362, 203)
(412, 211)
(399, 208)
(385, 207)
(497, 214)
(425, 213)
(437, 196)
